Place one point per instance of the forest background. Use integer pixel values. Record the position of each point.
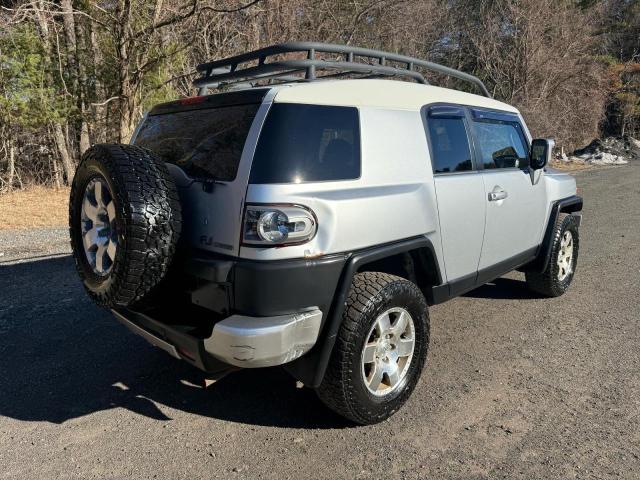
(78, 72)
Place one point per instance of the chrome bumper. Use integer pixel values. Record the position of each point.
(252, 342)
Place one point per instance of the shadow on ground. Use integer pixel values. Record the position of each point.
(61, 357)
(504, 289)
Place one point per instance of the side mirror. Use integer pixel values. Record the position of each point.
(540, 155)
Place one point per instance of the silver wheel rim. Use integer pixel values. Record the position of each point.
(565, 256)
(388, 351)
(99, 236)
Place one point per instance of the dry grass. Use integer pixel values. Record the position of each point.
(34, 207)
(571, 166)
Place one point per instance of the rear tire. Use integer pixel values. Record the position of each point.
(558, 275)
(373, 338)
(124, 223)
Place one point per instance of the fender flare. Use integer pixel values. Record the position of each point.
(334, 319)
(565, 205)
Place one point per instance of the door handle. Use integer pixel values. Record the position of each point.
(497, 195)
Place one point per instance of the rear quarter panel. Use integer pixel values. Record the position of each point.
(392, 200)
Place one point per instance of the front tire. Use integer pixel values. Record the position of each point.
(558, 275)
(380, 350)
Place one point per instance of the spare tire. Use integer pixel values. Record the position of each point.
(124, 222)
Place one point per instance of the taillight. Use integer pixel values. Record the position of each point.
(277, 225)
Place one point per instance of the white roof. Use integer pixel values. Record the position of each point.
(392, 94)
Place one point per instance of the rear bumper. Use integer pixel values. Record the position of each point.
(240, 341)
(263, 288)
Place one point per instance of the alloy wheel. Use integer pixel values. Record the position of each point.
(98, 222)
(388, 352)
(565, 256)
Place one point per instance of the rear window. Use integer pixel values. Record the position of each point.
(307, 143)
(450, 145)
(204, 143)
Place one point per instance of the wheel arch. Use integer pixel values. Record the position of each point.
(398, 258)
(565, 205)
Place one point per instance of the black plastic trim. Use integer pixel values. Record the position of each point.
(446, 111)
(264, 288)
(480, 114)
(442, 293)
(494, 271)
(570, 204)
(462, 285)
(189, 347)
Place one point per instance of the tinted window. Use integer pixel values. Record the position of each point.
(450, 145)
(307, 143)
(205, 143)
(501, 144)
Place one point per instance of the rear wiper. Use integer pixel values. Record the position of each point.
(208, 183)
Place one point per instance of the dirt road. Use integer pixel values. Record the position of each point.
(515, 386)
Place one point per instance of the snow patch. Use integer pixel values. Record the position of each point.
(604, 158)
(608, 151)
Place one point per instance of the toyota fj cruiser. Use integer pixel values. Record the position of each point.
(305, 219)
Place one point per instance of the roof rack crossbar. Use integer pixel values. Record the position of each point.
(374, 63)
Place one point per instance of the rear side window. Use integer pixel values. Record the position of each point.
(501, 144)
(449, 145)
(307, 143)
(204, 143)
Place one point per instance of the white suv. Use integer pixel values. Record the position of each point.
(309, 222)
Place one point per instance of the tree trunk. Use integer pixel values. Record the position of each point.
(84, 136)
(124, 78)
(12, 166)
(126, 118)
(73, 36)
(70, 37)
(99, 130)
(56, 172)
(83, 84)
(61, 144)
(56, 129)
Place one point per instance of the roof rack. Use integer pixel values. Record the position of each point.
(231, 71)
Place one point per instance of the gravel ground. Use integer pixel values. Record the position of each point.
(515, 386)
(32, 244)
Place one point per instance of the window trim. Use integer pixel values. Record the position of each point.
(486, 114)
(424, 113)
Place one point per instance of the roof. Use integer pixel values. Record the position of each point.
(380, 93)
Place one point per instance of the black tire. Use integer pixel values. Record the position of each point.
(548, 283)
(147, 222)
(343, 387)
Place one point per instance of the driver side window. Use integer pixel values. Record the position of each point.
(501, 144)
